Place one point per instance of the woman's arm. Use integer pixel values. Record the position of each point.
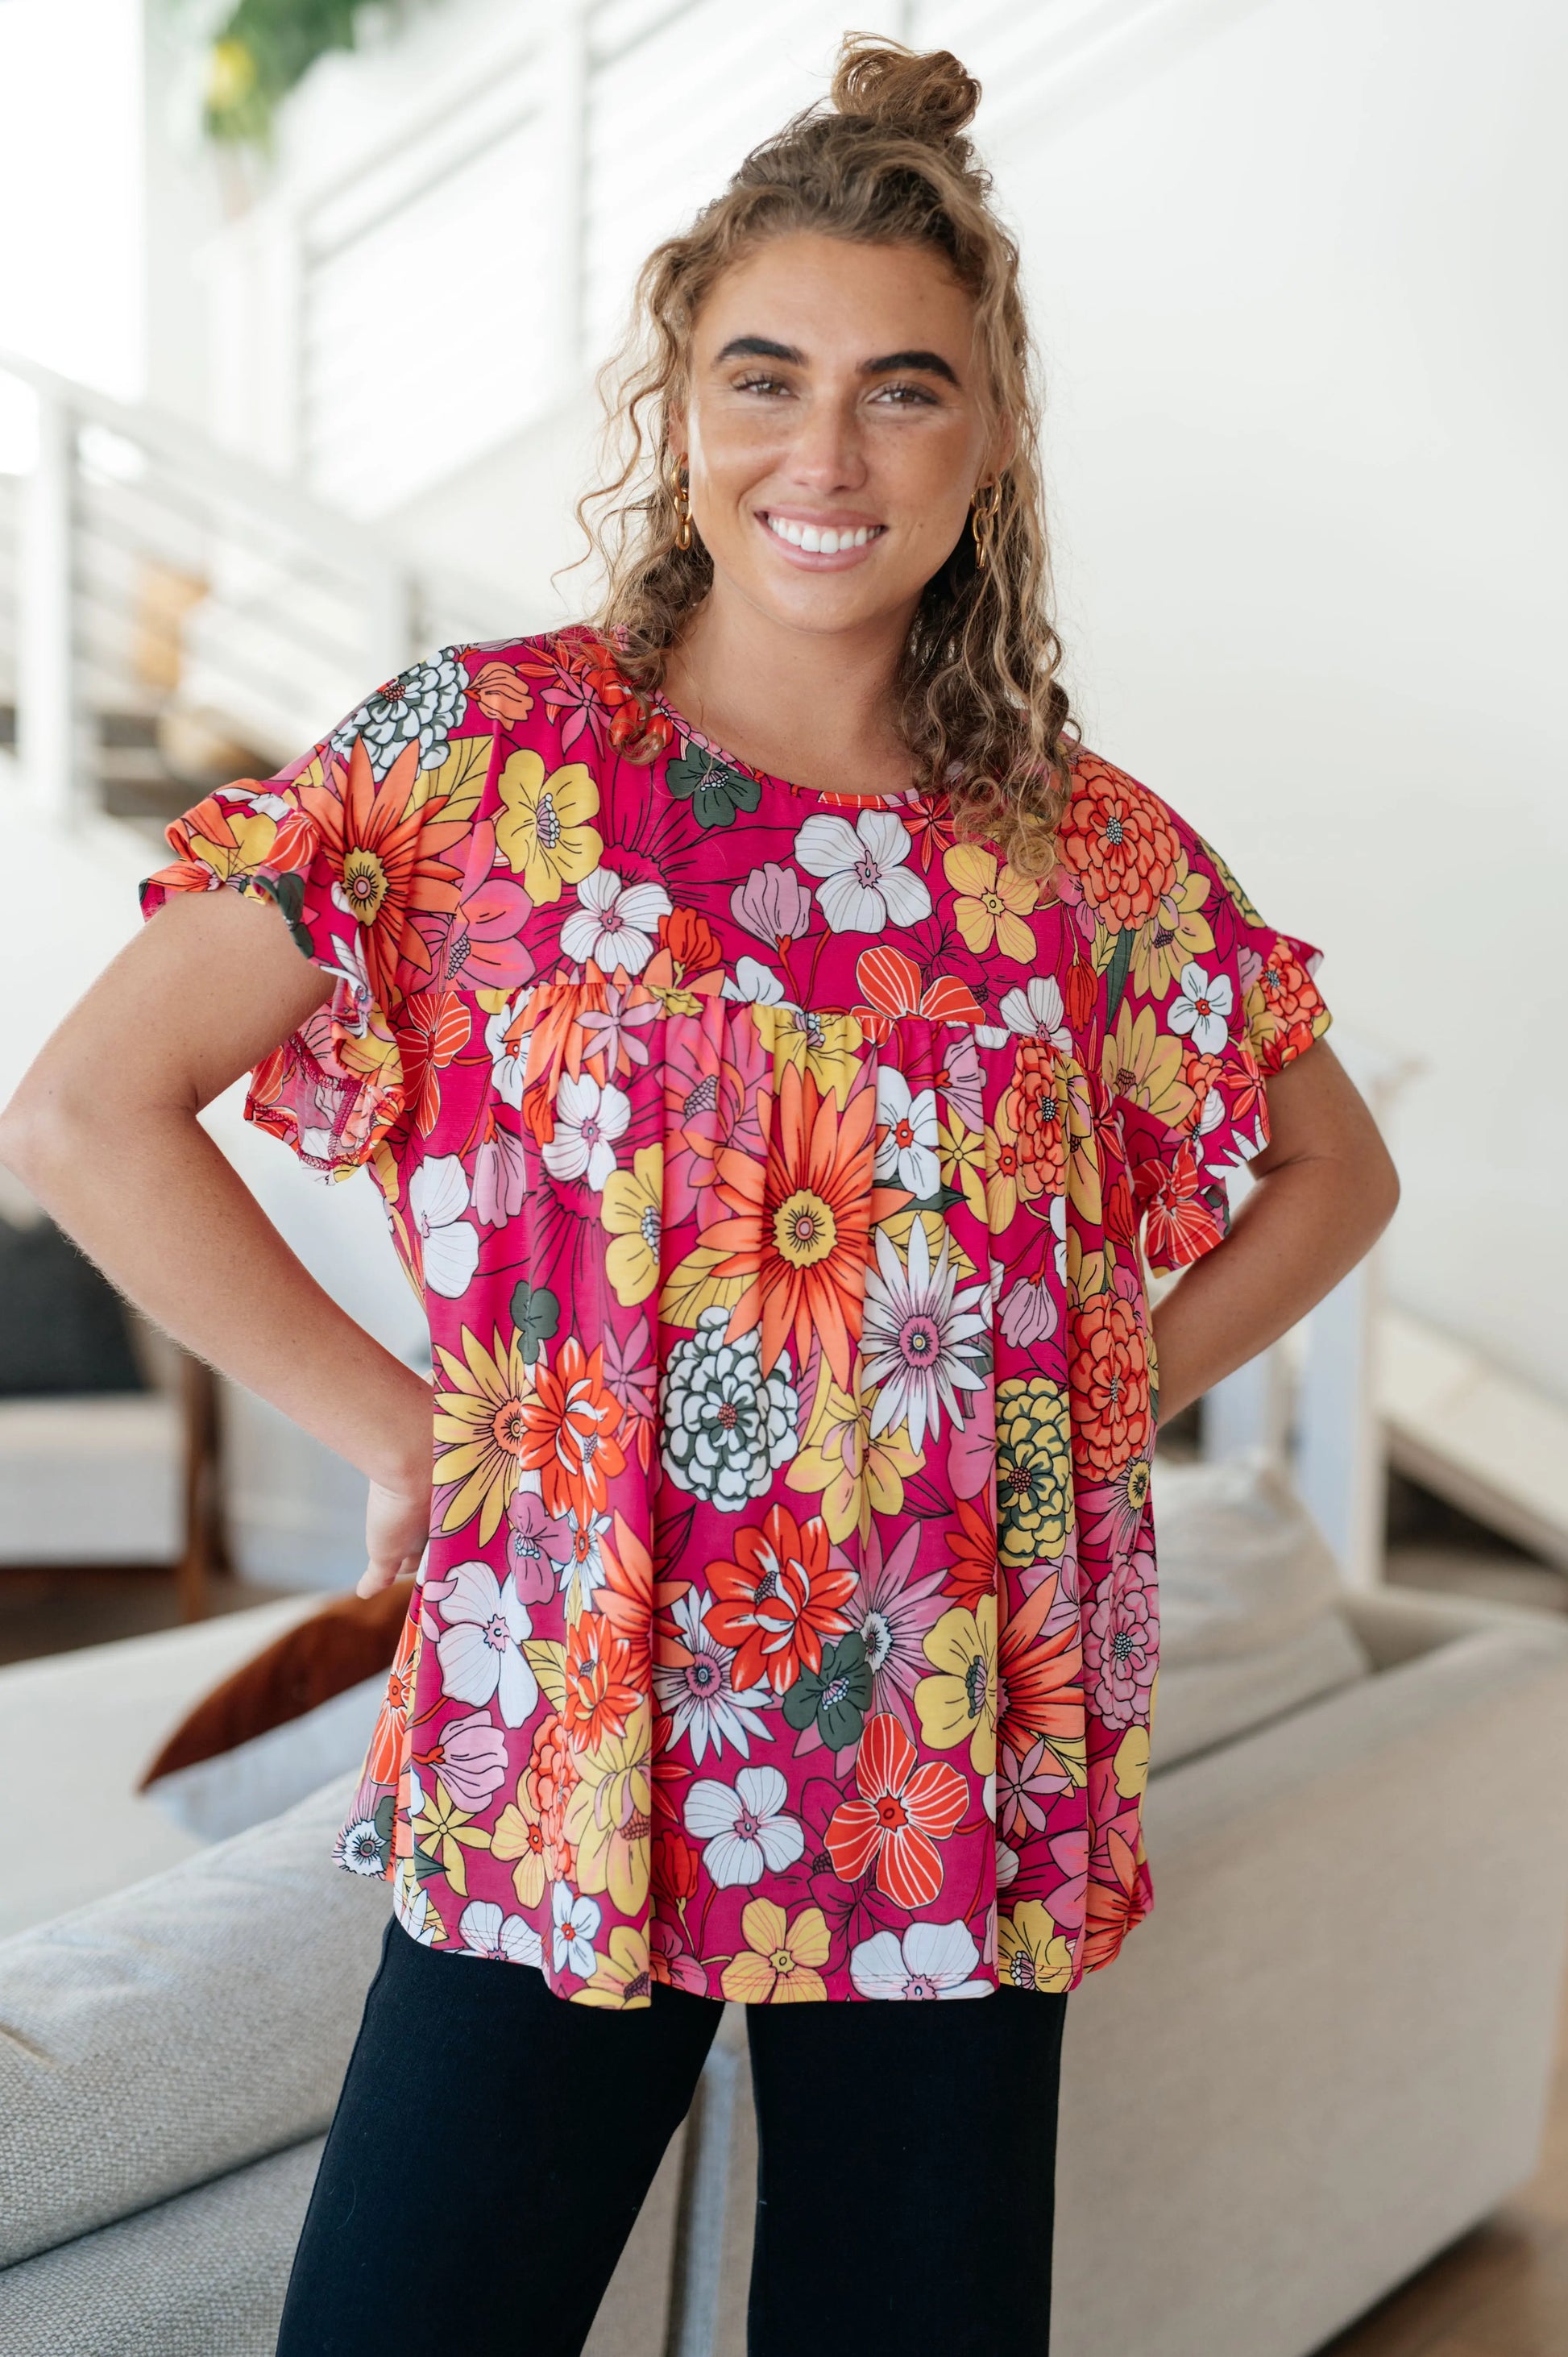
(103, 1131)
(1325, 1191)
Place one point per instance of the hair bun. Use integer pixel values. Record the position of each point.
(921, 95)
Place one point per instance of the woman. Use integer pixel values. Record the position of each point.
(774, 1036)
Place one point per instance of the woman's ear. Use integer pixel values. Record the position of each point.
(1003, 447)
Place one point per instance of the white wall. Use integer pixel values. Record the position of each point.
(1300, 294)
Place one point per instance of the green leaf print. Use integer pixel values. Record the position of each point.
(1116, 973)
(536, 1314)
(715, 792)
(837, 1696)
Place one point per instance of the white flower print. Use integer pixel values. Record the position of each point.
(616, 923)
(449, 1246)
(920, 1338)
(411, 1905)
(509, 1067)
(588, 1120)
(507, 1939)
(481, 1649)
(1037, 1012)
(575, 1922)
(865, 884)
(1203, 1011)
(932, 1960)
(753, 984)
(727, 1426)
(696, 1691)
(422, 706)
(744, 1829)
(905, 1135)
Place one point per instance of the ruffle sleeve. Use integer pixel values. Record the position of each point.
(1213, 1002)
(349, 842)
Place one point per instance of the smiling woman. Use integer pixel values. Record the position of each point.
(778, 1044)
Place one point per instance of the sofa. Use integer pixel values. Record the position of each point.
(1326, 2054)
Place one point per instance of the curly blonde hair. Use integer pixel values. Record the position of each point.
(979, 703)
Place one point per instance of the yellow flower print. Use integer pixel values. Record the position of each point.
(1172, 935)
(1034, 1470)
(253, 838)
(443, 1831)
(778, 1963)
(826, 1046)
(992, 903)
(479, 1416)
(631, 1209)
(1008, 1178)
(609, 1816)
(1130, 1766)
(1143, 1064)
(960, 1702)
(622, 1977)
(853, 1475)
(520, 1835)
(543, 833)
(960, 1158)
(1030, 1952)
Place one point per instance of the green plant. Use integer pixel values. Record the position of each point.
(257, 55)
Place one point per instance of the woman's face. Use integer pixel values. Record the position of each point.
(835, 431)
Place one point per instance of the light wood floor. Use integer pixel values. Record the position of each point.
(1503, 2290)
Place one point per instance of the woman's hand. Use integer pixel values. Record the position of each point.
(397, 1525)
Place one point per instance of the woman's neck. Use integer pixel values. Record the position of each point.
(815, 708)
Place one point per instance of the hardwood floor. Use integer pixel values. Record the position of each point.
(1502, 2290)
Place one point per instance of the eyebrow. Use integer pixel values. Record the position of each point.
(763, 348)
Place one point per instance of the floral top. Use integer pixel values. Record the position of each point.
(777, 1174)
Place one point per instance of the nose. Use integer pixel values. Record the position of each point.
(827, 453)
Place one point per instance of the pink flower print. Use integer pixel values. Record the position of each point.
(469, 1758)
(1028, 1313)
(500, 1177)
(483, 947)
(536, 1546)
(774, 905)
(1121, 1644)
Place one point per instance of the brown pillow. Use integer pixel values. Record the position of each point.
(346, 1641)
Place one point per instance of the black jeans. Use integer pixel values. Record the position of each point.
(493, 2144)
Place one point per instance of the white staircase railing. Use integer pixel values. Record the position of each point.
(171, 614)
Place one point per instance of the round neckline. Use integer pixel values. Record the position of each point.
(728, 760)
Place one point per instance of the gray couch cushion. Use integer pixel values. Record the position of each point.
(178, 2028)
(1242, 1564)
(201, 2275)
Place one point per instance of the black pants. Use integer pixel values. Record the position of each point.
(493, 2145)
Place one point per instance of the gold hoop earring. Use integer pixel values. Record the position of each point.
(982, 522)
(680, 484)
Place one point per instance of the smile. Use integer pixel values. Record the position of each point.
(821, 540)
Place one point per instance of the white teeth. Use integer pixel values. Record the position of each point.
(821, 539)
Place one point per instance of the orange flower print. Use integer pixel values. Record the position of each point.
(777, 1601)
(568, 1432)
(600, 1694)
(1118, 842)
(501, 691)
(799, 1230)
(1037, 1104)
(548, 1783)
(971, 1547)
(386, 1744)
(901, 1812)
(1108, 1377)
(385, 859)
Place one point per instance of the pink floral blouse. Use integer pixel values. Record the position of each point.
(777, 1174)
